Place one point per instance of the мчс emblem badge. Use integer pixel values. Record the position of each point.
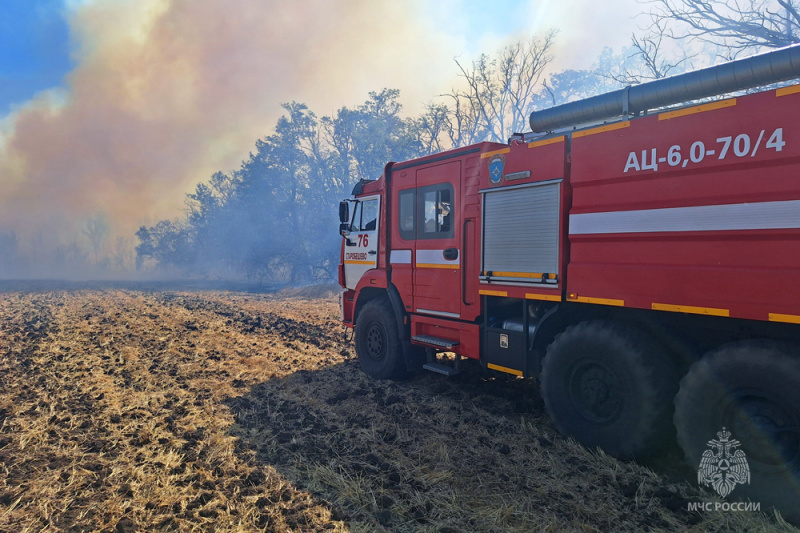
(496, 168)
(723, 466)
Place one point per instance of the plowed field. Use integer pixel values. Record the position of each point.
(137, 410)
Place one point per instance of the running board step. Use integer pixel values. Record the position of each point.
(441, 369)
(434, 341)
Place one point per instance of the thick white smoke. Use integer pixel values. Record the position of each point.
(165, 92)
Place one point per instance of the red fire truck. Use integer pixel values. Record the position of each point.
(646, 269)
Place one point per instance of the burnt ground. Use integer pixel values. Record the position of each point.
(124, 410)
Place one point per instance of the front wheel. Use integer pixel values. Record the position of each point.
(609, 385)
(747, 392)
(378, 346)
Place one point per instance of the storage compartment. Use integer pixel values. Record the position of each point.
(505, 339)
(506, 349)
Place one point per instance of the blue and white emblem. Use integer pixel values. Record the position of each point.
(496, 169)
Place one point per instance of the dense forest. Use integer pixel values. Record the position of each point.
(274, 219)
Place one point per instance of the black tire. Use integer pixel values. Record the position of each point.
(610, 386)
(378, 346)
(753, 390)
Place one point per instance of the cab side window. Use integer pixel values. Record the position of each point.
(406, 201)
(435, 211)
(369, 215)
(365, 216)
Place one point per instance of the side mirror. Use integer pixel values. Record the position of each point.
(344, 228)
(344, 212)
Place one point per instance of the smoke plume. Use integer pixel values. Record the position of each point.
(165, 92)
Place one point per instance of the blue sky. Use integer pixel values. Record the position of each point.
(34, 39)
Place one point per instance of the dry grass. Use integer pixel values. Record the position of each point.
(131, 410)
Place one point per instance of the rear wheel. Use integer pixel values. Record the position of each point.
(752, 389)
(378, 346)
(610, 386)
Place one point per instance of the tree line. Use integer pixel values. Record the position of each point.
(274, 219)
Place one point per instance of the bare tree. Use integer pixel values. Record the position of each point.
(651, 62)
(96, 230)
(123, 254)
(431, 127)
(720, 29)
(737, 25)
(463, 123)
(499, 92)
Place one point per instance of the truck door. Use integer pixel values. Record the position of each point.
(438, 261)
(361, 245)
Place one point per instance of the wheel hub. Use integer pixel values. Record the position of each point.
(594, 390)
(376, 342)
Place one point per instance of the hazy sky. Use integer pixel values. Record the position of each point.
(121, 106)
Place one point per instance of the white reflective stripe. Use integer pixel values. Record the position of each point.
(756, 216)
(439, 313)
(435, 257)
(399, 257)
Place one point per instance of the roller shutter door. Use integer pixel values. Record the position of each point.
(520, 230)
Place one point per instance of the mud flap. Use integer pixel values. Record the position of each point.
(414, 357)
